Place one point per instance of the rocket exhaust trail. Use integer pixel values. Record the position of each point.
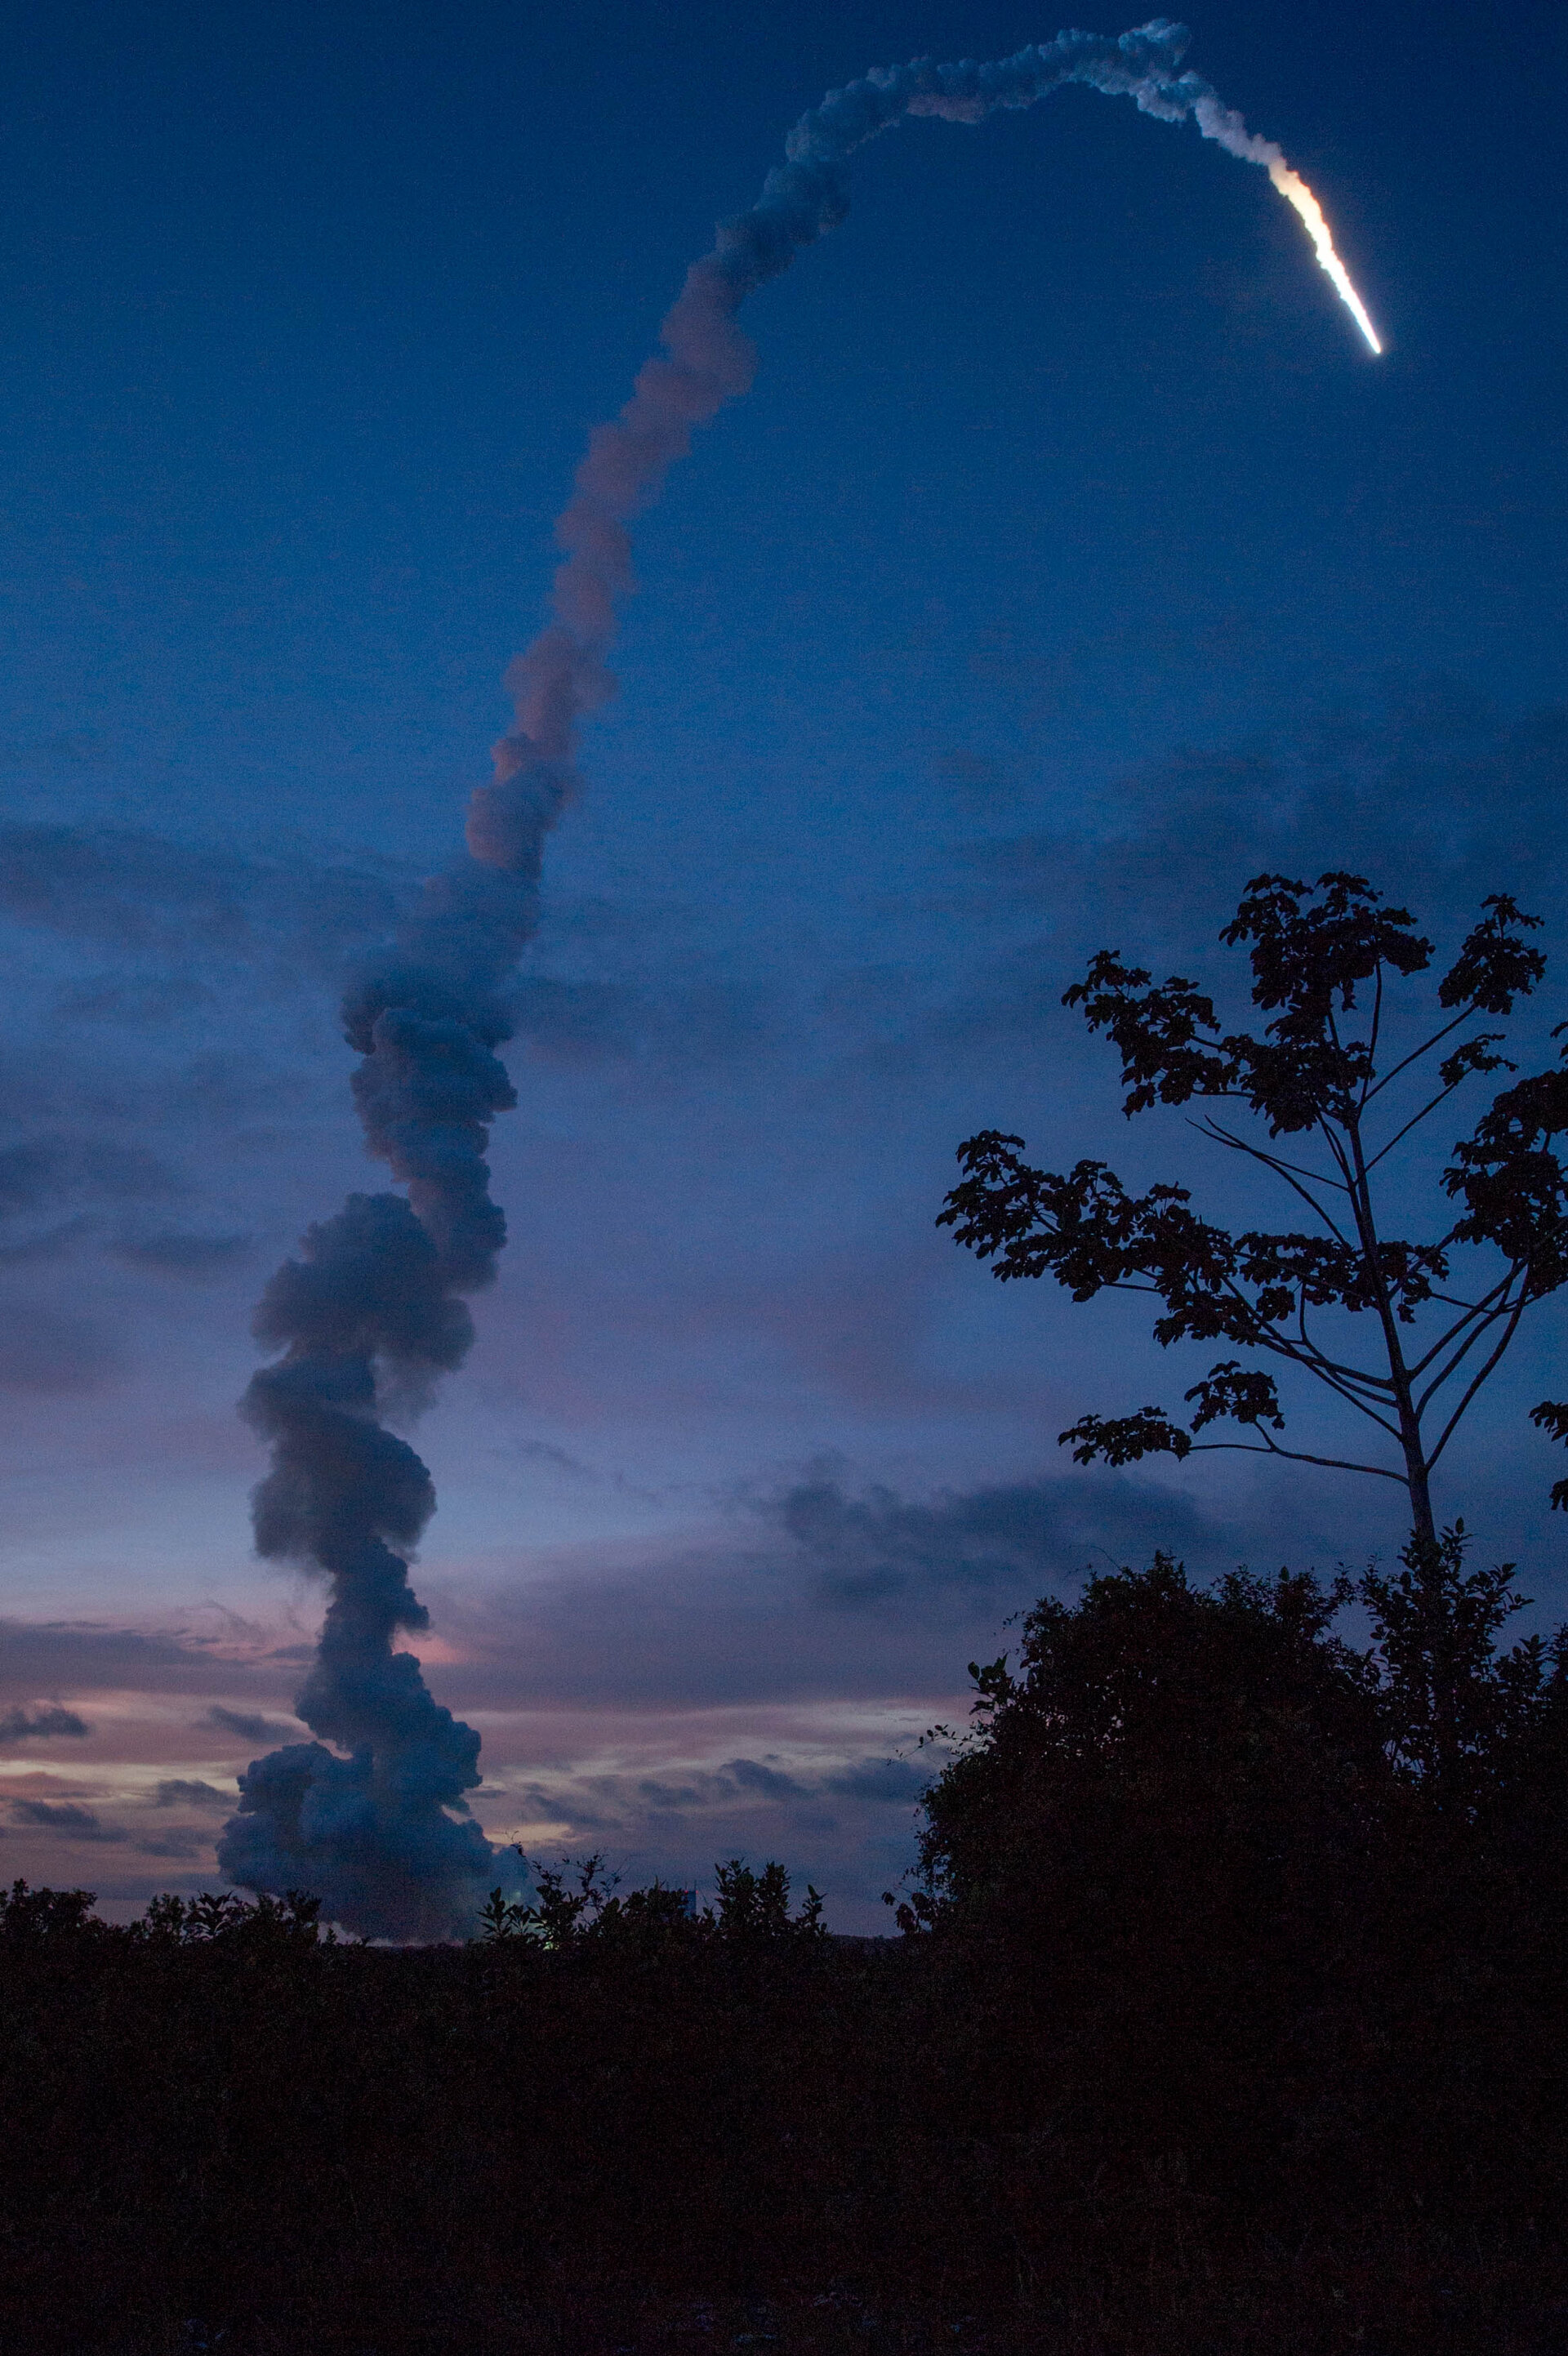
(1295, 191)
(706, 360)
(374, 1312)
(1223, 125)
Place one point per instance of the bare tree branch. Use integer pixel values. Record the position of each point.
(1484, 1309)
(1416, 1053)
(1372, 1042)
(1416, 1118)
(1449, 1426)
(1510, 1311)
(1296, 1456)
(1282, 1169)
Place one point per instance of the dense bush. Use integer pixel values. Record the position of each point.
(1228, 2016)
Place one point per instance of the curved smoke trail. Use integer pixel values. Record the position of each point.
(374, 1312)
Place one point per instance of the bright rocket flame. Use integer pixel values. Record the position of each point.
(1225, 127)
(1296, 192)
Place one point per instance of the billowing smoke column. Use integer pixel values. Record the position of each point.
(367, 1318)
(373, 1310)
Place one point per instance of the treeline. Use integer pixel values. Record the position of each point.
(1227, 2015)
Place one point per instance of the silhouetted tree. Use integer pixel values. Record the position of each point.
(1156, 1738)
(29, 1917)
(1323, 959)
(1156, 1846)
(576, 1902)
(1470, 1724)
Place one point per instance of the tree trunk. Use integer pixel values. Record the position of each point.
(1416, 1476)
(1417, 1479)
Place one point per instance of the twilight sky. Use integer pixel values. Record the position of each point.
(1070, 561)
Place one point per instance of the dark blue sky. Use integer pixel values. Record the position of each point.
(1070, 561)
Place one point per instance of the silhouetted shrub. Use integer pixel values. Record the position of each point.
(1230, 2017)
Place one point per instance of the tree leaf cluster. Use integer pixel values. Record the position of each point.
(1324, 959)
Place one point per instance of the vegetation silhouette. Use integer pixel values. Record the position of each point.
(1227, 2012)
(576, 1903)
(1227, 2016)
(1325, 962)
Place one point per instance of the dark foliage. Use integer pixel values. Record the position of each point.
(1322, 959)
(1229, 2017)
(577, 1903)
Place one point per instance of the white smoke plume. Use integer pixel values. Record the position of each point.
(706, 360)
(374, 1312)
